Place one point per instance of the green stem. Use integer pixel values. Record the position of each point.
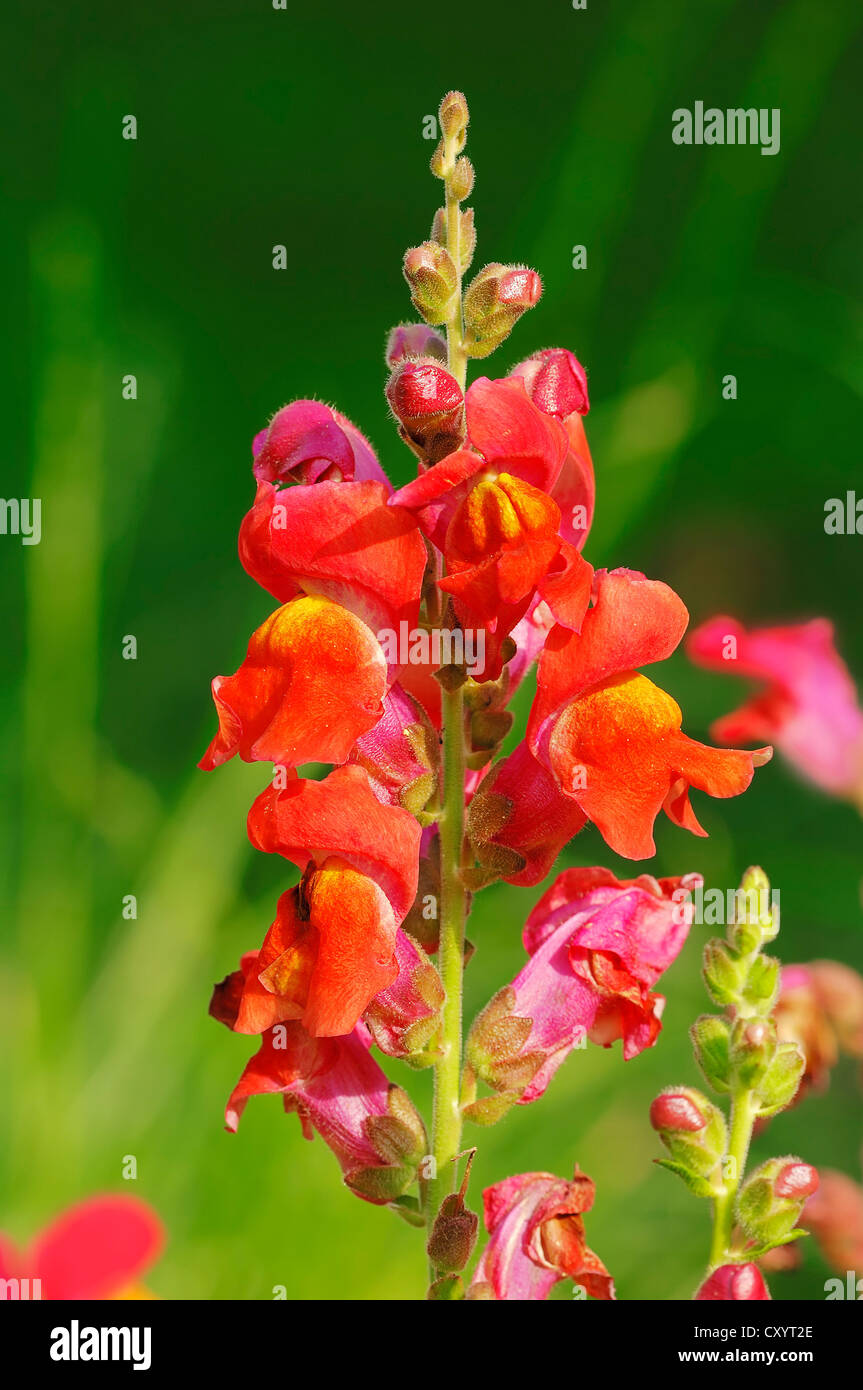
(446, 1121)
(740, 1137)
(446, 1118)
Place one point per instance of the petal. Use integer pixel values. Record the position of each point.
(575, 489)
(634, 622)
(536, 1238)
(340, 540)
(509, 431)
(356, 948)
(96, 1248)
(519, 810)
(619, 752)
(308, 821)
(312, 682)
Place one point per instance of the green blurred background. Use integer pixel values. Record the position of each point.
(304, 127)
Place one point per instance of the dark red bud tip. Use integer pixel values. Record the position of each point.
(419, 389)
(519, 288)
(676, 1111)
(556, 382)
(797, 1181)
(734, 1282)
(414, 340)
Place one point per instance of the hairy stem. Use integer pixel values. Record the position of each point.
(446, 1119)
(740, 1137)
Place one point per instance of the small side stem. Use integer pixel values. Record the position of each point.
(740, 1137)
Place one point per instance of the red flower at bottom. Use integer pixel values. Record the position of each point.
(97, 1249)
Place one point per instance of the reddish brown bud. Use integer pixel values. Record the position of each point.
(428, 403)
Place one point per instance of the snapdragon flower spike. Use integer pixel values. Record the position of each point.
(597, 945)
(338, 1090)
(339, 541)
(807, 705)
(97, 1249)
(536, 1238)
(487, 508)
(611, 738)
(557, 384)
(307, 442)
(738, 1282)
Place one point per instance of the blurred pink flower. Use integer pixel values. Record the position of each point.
(808, 705)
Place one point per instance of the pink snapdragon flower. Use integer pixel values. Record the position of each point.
(597, 945)
(536, 1238)
(807, 705)
(307, 442)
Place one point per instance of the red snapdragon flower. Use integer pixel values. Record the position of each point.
(536, 1238)
(97, 1249)
(611, 738)
(807, 705)
(489, 509)
(332, 946)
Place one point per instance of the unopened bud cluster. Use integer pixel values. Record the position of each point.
(739, 1055)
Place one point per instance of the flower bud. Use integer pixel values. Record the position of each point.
(753, 1047)
(762, 984)
(555, 381)
(778, 1085)
(755, 920)
(466, 234)
(770, 1201)
(494, 302)
(433, 279)
(711, 1041)
(738, 1282)
(454, 115)
(461, 179)
(691, 1128)
(414, 340)
(723, 972)
(453, 1236)
(428, 403)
